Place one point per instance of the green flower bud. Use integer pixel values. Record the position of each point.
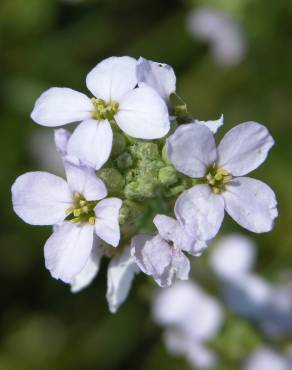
(130, 212)
(113, 180)
(141, 189)
(167, 175)
(124, 161)
(145, 150)
(119, 144)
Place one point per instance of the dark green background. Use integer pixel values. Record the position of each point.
(46, 43)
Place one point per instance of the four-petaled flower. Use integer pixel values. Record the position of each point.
(119, 98)
(251, 203)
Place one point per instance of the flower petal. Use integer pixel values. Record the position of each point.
(40, 198)
(212, 125)
(244, 148)
(68, 249)
(60, 105)
(251, 203)
(61, 137)
(143, 114)
(83, 180)
(91, 142)
(192, 149)
(112, 78)
(90, 270)
(120, 274)
(107, 220)
(200, 212)
(159, 76)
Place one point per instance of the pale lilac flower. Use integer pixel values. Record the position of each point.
(159, 76)
(266, 358)
(212, 125)
(161, 255)
(251, 203)
(40, 198)
(138, 111)
(191, 318)
(225, 37)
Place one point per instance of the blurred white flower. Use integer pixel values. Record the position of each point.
(161, 255)
(138, 111)
(225, 36)
(191, 318)
(251, 203)
(40, 198)
(267, 359)
(248, 294)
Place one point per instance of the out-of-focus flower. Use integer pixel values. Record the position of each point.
(40, 198)
(225, 36)
(247, 293)
(267, 359)
(161, 255)
(251, 203)
(160, 76)
(191, 318)
(139, 111)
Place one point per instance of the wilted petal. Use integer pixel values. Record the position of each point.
(244, 148)
(251, 203)
(212, 125)
(200, 212)
(233, 256)
(83, 180)
(40, 198)
(159, 76)
(60, 105)
(107, 220)
(90, 270)
(143, 114)
(180, 266)
(112, 78)
(91, 142)
(68, 249)
(120, 274)
(192, 149)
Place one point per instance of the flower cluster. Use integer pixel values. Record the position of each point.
(145, 183)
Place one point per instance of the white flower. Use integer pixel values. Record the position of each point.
(138, 111)
(161, 255)
(225, 36)
(159, 76)
(251, 203)
(191, 318)
(212, 125)
(266, 358)
(40, 198)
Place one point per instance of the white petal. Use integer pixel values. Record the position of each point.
(266, 358)
(212, 125)
(112, 78)
(159, 76)
(200, 212)
(192, 149)
(120, 274)
(251, 203)
(89, 272)
(62, 137)
(83, 180)
(233, 256)
(60, 105)
(40, 198)
(244, 148)
(180, 266)
(143, 114)
(107, 220)
(166, 226)
(91, 142)
(68, 249)
(153, 255)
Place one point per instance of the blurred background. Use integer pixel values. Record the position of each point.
(230, 56)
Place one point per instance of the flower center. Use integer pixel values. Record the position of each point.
(103, 110)
(81, 210)
(217, 178)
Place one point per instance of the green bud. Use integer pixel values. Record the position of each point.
(119, 144)
(164, 155)
(124, 161)
(130, 212)
(145, 150)
(167, 175)
(140, 189)
(113, 180)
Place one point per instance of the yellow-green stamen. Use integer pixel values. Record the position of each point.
(81, 210)
(217, 178)
(103, 110)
